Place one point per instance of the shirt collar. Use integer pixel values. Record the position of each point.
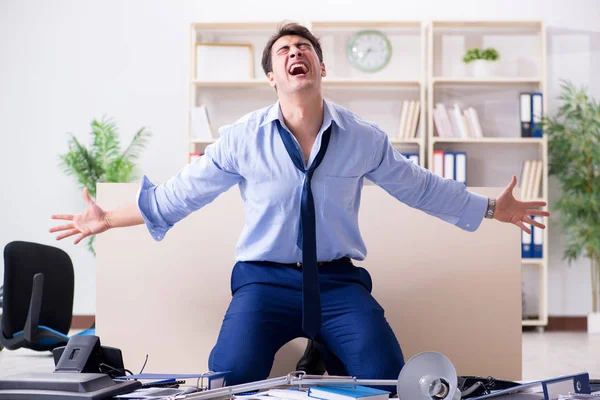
(329, 114)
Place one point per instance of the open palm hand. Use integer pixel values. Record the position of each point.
(92, 221)
(511, 210)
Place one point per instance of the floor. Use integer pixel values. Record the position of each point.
(554, 354)
(545, 355)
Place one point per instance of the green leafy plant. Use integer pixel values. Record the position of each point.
(574, 159)
(103, 161)
(475, 53)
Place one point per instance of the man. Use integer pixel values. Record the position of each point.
(300, 165)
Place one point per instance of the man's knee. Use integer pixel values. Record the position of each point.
(240, 369)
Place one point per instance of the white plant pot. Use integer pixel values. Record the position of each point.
(482, 68)
(593, 322)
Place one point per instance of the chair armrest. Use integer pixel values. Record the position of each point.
(35, 305)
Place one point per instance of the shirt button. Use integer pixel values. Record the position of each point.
(298, 264)
(151, 230)
(468, 225)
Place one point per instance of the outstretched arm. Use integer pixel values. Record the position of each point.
(196, 185)
(161, 206)
(446, 199)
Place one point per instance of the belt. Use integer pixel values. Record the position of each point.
(323, 263)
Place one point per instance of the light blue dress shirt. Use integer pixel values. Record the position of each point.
(251, 154)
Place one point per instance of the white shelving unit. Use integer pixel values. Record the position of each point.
(492, 159)
(374, 96)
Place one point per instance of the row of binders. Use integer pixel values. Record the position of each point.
(455, 122)
(409, 119)
(451, 165)
(532, 244)
(531, 110)
(531, 179)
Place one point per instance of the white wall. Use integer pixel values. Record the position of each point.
(63, 63)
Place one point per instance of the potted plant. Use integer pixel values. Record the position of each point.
(103, 161)
(574, 159)
(481, 60)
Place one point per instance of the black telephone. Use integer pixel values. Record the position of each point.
(85, 354)
(84, 370)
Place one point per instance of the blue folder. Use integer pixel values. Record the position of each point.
(549, 388)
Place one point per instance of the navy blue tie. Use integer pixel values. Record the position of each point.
(307, 240)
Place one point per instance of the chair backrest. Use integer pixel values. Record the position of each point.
(22, 260)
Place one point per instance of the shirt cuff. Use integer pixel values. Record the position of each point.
(474, 212)
(146, 201)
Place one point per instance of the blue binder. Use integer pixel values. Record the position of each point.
(460, 167)
(527, 243)
(537, 110)
(549, 388)
(537, 243)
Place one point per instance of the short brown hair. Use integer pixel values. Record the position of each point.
(289, 29)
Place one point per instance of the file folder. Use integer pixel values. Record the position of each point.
(526, 242)
(454, 165)
(438, 162)
(525, 112)
(538, 239)
(460, 167)
(536, 114)
(449, 165)
(548, 389)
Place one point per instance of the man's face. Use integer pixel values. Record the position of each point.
(296, 65)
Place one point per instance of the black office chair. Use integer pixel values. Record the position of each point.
(37, 298)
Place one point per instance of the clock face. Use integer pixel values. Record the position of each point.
(369, 51)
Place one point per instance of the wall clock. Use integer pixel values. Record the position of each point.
(369, 50)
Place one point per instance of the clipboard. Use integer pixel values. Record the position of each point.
(550, 389)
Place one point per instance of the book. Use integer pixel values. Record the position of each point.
(200, 123)
(340, 392)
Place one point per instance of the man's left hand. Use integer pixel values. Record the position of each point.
(509, 209)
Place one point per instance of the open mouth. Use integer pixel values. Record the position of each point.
(298, 68)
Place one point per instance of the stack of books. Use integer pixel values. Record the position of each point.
(531, 179)
(409, 119)
(456, 122)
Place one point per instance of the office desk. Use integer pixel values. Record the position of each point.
(443, 289)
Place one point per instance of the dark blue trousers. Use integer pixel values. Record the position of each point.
(266, 312)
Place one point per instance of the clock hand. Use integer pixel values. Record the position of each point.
(364, 54)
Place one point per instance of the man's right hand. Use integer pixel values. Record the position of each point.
(91, 222)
